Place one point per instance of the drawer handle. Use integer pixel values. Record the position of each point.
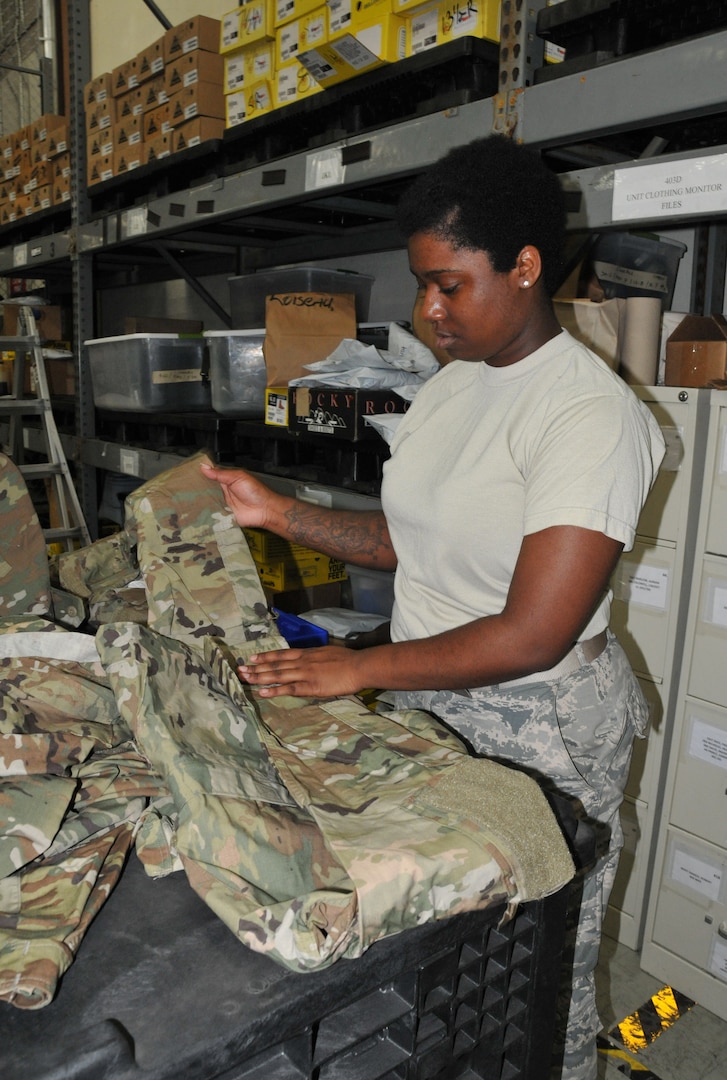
(722, 929)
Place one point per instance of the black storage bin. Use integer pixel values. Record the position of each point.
(162, 990)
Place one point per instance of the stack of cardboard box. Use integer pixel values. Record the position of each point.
(34, 168)
(166, 98)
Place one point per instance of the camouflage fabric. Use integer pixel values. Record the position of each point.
(575, 736)
(101, 574)
(199, 576)
(24, 577)
(72, 787)
(315, 828)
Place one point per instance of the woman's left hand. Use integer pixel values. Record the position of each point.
(329, 671)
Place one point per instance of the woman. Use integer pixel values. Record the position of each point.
(515, 481)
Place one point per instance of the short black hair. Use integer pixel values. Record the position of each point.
(492, 195)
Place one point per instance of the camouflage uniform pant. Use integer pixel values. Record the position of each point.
(575, 735)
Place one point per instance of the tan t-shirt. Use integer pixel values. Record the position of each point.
(487, 455)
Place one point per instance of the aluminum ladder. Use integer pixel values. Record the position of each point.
(72, 528)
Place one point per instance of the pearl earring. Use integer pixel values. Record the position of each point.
(525, 284)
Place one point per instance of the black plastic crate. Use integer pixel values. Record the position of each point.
(162, 990)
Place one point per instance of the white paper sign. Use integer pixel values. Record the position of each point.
(718, 959)
(648, 585)
(708, 743)
(719, 606)
(670, 188)
(687, 869)
(324, 168)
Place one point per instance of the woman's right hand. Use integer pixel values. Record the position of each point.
(250, 501)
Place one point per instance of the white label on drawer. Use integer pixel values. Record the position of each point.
(708, 743)
(718, 607)
(129, 462)
(176, 376)
(698, 874)
(323, 168)
(647, 585)
(696, 185)
(20, 254)
(718, 959)
(674, 452)
(133, 222)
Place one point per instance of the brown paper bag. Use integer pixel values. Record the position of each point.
(301, 328)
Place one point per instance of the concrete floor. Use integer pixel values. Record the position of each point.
(693, 1048)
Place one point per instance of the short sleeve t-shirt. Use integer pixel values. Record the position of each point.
(487, 455)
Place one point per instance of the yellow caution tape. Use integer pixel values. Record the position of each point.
(655, 1016)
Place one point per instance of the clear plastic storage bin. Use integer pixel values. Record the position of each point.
(248, 292)
(149, 373)
(237, 372)
(372, 591)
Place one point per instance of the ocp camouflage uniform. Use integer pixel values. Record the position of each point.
(307, 784)
(72, 787)
(575, 736)
(24, 575)
(354, 825)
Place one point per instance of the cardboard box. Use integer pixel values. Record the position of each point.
(193, 67)
(156, 148)
(696, 352)
(295, 601)
(301, 572)
(287, 10)
(61, 375)
(41, 198)
(340, 18)
(127, 158)
(266, 546)
(380, 42)
(98, 89)
(424, 30)
(341, 414)
(40, 175)
(150, 61)
(259, 99)
(153, 93)
(128, 132)
(58, 138)
(257, 22)
(199, 32)
(195, 132)
(101, 115)
(235, 108)
(124, 77)
(100, 168)
(230, 31)
(200, 99)
(100, 143)
(233, 73)
(49, 320)
(276, 406)
(292, 83)
(130, 104)
(158, 121)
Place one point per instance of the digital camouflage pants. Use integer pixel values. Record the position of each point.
(575, 735)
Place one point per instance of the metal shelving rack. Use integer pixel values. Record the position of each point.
(271, 212)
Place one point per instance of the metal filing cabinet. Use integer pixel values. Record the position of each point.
(685, 940)
(650, 601)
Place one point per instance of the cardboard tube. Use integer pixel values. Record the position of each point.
(640, 335)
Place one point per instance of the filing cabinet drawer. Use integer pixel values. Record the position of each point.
(661, 517)
(691, 911)
(699, 801)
